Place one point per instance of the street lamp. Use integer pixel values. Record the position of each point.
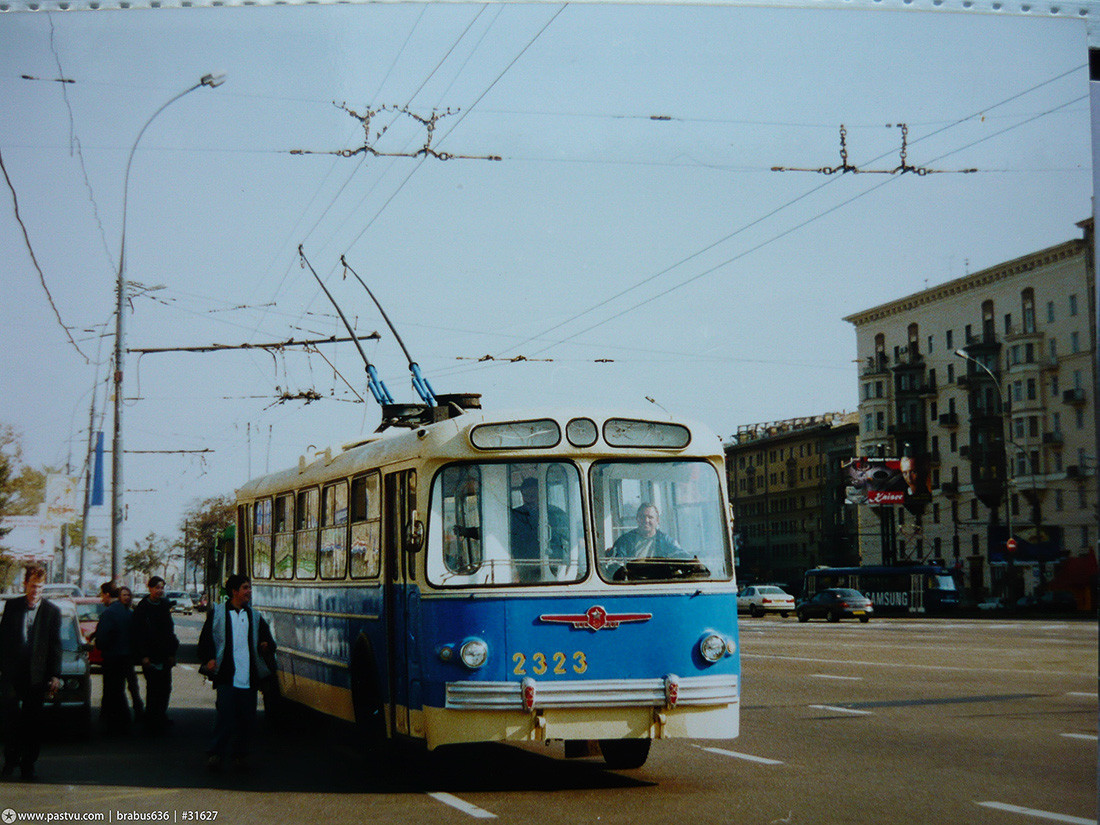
(213, 81)
(1005, 433)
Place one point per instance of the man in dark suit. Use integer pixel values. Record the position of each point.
(30, 668)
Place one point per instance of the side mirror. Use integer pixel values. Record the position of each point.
(414, 538)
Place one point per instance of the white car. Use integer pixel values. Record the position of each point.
(759, 599)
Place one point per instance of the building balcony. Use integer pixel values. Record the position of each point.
(949, 420)
(875, 366)
(1054, 439)
(1018, 333)
(1075, 396)
(949, 489)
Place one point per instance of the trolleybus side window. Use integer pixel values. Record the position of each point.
(366, 527)
(506, 523)
(306, 529)
(333, 558)
(284, 526)
(261, 538)
(659, 520)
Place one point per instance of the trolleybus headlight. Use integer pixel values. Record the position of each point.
(712, 647)
(474, 653)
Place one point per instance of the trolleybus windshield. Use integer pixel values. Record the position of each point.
(659, 520)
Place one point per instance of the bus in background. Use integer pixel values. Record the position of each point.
(527, 578)
(902, 589)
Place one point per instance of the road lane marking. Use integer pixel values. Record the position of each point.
(1048, 815)
(1082, 695)
(1090, 736)
(830, 676)
(746, 756)
(462, 805)
(835, 709)
(903, 665)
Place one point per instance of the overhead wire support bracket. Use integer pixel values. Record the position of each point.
(374, 384)
(420, 383)
(900, 169)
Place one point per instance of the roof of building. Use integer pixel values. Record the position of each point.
(976, 280)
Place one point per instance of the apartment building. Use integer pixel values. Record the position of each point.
(989, 380)
(786, 487)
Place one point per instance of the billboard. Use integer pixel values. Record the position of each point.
(888, 481)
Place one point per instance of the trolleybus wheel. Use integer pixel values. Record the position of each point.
(625, 754)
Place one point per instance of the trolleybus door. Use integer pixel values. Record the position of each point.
(402, 601)
(916, 592)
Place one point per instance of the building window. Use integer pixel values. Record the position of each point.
(1059, 501)
(935, 513)
(1075, 342)
(948, 339)
(1073, 305)
(1050, 312)
(1027, 298)
(929, 343)
(1008, 323)
(1053, 348)
(950, 373)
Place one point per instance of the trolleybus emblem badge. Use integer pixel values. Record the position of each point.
(595, 618)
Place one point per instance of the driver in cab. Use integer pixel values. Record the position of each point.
(646, 541)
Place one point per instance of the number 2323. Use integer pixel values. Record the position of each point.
(557, 663)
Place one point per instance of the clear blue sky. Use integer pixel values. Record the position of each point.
(634, 215)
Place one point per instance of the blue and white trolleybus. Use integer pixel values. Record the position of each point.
(517, 578)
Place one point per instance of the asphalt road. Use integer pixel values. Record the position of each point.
(896, 721)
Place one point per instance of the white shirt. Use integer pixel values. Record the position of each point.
(28, 620)
(242, 663)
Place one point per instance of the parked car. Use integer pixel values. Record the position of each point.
(759, 599)
(75, 696)
(61, 591)
(835, 604)
(88, 611)
(180, 602)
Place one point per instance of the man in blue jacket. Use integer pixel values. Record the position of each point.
(235, 646)
(113, 636)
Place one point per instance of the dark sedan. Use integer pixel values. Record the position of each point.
(835, 604)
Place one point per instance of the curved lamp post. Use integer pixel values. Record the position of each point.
(1005, 433)
(212, 81)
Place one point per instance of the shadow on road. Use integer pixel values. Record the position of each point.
(307, 752)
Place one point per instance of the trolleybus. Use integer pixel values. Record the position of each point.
(519, 578)
(918, 588)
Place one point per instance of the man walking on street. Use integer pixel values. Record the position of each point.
(113, 636)
(233, 645)
(155, 646)
(126, 598)
(30, 670)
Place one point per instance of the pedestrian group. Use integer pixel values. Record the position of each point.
(236, 652)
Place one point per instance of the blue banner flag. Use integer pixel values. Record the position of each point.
(97, 475)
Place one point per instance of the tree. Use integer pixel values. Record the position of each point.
(22, 490)
(147, 556)
(202, 524)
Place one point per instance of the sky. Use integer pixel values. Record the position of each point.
(632, 241)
